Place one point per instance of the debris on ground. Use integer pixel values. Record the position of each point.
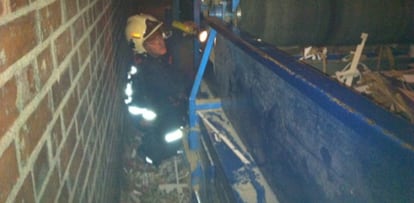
(147, 183)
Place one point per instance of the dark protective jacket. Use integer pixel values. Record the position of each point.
(163, 85)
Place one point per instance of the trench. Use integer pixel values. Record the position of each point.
(67, 135)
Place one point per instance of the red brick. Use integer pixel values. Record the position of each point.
(50, 18)
(64, 194)
(91, 67)
(83, 110)
(99, 7)
(95, 169)
(92, 140)
(78, 30)
(9, 172)
(45, 65)
(92, 89)
(95, 172)
(91, 13)
(75, 65)
(108, 17)
(2, 9)
(85, 196)
(26, 193)
(71, 8)
(76, 161)
(31, 79)
(41, 168)
(26, 86)
(92, 37)
(52, 188)
(100, 48)
(87, 127)
(83, 83)
(17, 4)
(82, 178)
(77, 196)
(87, 18)
(8, 110)
(96, 10)
(63, 45)
(93, 61)
(31, 133)
(84, 51)
(85, 78)
(99, 113)
(100, 31)
(69, 109)
(83, 3)
(88, 123)
(56, 135)
(17, 39)
(60, 88)
(68, 148)
(108, 53)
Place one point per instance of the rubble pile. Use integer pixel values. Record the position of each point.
(391, 90)
(384, 73)
(144, 182)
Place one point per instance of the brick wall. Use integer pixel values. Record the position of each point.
(60, 104)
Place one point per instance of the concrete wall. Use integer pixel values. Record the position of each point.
(60, 115)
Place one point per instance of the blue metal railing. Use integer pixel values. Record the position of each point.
(194, 140)
(193, 137)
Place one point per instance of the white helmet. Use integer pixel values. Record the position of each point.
(138, 30)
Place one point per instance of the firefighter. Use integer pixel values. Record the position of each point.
(164, 77)
(160, 83)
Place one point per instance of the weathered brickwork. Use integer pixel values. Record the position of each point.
(61, 106)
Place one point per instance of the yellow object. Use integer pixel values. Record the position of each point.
(183, 27)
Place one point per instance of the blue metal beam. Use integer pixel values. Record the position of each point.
(197, 21)
(354, 110)
(194, 139)
(234, 5)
